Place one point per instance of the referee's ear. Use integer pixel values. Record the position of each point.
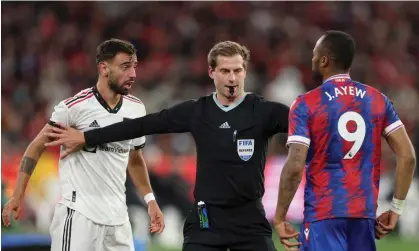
(211, 72)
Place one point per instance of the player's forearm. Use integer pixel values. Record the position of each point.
(156, 123)
(404, 175)
(27, 166)
(139, 176)
(290, 180)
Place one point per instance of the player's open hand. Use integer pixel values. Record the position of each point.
(13, 205)
(156, 218)
(286, 232)
(386, 223)
(70, 138)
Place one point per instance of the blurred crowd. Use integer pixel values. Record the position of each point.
(48, 54)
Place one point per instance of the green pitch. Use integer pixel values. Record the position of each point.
(389, 243)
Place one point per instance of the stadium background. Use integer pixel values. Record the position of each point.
(48, 54)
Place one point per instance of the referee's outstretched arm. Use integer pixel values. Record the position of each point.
(173, 120)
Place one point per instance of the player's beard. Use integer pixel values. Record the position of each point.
(317, 76)
(118, 89)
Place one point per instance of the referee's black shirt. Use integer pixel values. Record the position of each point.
(231, 142)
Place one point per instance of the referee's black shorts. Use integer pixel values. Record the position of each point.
(243, 228)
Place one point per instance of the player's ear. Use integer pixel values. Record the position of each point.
(324, 61)
(211, 72)
(103, 69)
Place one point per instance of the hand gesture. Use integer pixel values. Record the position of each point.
(13, 205)
(156, 217)
(70, 138)
(286, 232)
(386, 223)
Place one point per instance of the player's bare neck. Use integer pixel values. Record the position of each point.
(111, 98)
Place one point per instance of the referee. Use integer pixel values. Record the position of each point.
(231, 129)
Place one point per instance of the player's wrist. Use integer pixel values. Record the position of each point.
(149, 198)
(397, 206)
(279, 218)
(17, 197)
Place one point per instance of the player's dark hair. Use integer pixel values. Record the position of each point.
(341, 47)
(228, 49)
(109, 48)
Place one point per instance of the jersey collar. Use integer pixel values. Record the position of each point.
(339, 78)
(103, 102)
(230, 107)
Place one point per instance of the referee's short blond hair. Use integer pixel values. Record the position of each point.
(228, 49)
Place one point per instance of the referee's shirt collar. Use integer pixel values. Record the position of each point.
(230, 107)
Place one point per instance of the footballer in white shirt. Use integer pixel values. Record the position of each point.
(92, 213)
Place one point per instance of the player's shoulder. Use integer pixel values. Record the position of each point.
(312, 94)
(372, 91)
(133, 101)
(77, 100)
(133, 107)
(306, 102)
(367, 87)
(307, 97)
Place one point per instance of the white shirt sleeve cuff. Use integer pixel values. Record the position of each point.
(392, 128)
(298, 140)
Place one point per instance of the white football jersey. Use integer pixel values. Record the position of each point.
(93, 180)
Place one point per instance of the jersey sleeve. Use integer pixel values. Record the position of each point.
(139, 143)
(61, 114)
(278, 118)
(392, 121)
(298, 129)
(173, 120)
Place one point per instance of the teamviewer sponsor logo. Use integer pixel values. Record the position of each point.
(113, 149)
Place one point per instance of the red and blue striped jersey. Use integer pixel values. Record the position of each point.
(342, 123)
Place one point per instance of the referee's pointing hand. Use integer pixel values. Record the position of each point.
(70, 138)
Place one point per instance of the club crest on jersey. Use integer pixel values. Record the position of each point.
(245, 148)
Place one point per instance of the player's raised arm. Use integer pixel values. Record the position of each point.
(173, 120)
